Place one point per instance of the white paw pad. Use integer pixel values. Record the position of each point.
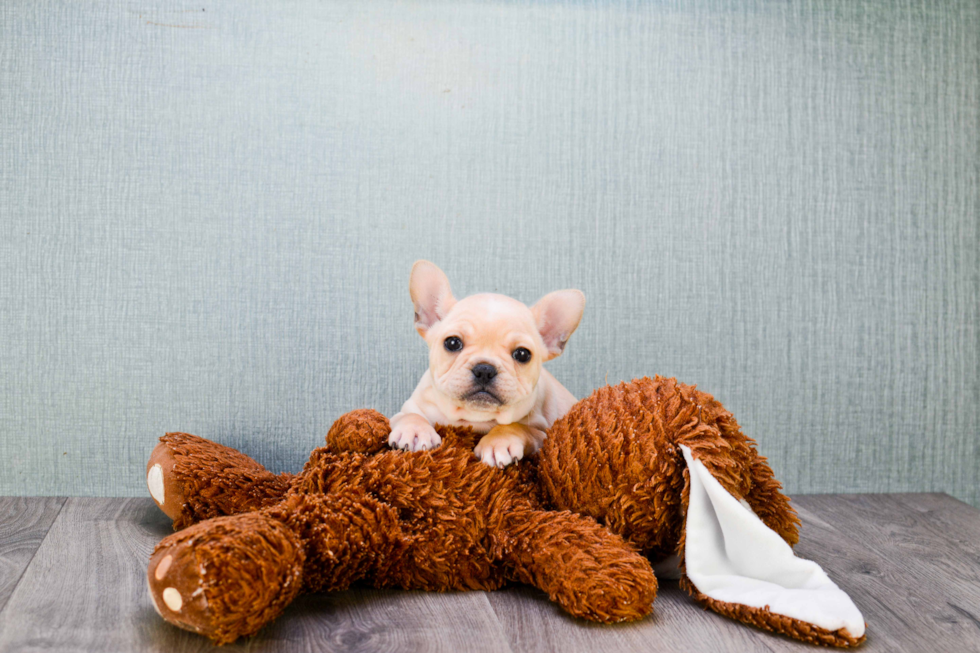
(173, 599)
(163, 567)
(154, 481)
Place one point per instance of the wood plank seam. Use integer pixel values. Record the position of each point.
(23, 571)
(496, 618)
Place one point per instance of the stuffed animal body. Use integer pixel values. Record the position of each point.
(637, 472)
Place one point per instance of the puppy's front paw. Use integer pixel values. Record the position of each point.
(500, 448)
(414, 435)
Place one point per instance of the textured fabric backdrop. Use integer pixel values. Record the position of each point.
(209, 213)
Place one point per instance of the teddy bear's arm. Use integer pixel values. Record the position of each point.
(192, 479)
(359, 431)
(586, 568)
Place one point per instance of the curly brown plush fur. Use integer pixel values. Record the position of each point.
(627, 438)
(437, 520)
(608, 490)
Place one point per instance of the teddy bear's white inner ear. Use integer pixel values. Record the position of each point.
(730, 555)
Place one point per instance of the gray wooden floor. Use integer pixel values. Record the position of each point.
(72, 577)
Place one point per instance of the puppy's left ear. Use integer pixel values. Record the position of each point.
(557, 315)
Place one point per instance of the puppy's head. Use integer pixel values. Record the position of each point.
(485, 351)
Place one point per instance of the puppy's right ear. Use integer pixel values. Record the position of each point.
(430, 294)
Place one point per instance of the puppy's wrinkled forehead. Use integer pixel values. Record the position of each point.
(490, 317)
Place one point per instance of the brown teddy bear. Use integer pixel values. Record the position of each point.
(641, 471)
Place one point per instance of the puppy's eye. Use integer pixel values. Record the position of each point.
(452, 343)
(521, 355)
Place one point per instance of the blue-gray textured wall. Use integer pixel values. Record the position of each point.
(209, 213)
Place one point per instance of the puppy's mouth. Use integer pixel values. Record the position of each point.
(483, 398)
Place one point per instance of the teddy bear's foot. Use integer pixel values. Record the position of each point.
(192, 479)
(166, 490)
(227, 577)
(177, 587)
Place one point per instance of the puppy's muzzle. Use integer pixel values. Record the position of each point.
(483, 374)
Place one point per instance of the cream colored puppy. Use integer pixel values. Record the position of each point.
(485, 356)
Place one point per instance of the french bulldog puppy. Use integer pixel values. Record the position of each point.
(485, 356)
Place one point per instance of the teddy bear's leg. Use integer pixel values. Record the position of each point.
(738, 566)
(229, 576)
(192, 479)
(226, 577)
(584, 567)
(346, 536)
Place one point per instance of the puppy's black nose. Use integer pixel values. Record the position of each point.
(484, 373)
